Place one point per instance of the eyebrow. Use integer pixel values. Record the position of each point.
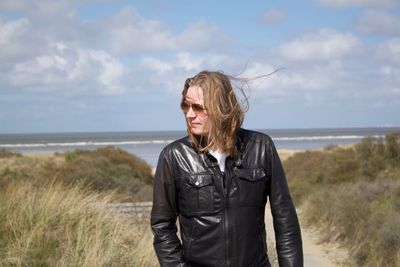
(191, 101)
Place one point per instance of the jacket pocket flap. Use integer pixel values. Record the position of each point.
(251, 174)
(200, 180)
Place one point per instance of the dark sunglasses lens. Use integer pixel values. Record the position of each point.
(197, 108)
(185, 106)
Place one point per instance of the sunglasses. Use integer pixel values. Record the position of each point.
(197, 108)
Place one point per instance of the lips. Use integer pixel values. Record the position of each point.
(195, 123)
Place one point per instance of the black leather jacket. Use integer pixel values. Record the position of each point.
(221, 215)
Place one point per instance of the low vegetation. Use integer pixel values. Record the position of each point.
(8, 154)
(53, 210)
(352, 195)
(103, 169)
(58, 225)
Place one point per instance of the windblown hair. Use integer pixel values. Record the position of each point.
(225, 113)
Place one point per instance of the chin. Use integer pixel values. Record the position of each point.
(198, 131)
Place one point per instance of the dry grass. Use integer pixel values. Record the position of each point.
(53, 213)
(364, 216)
(56, 225)
(286, 153)
(352, 195)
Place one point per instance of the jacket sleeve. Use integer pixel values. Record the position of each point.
(286, 224)
(167, 246)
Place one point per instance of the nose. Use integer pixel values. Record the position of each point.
(190, 113)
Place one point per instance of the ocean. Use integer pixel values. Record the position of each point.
(148, 145)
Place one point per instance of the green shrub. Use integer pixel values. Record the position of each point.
(7, 154)
(340, 166)
(69, 156)
(304, 173)
(367, 160)
(108, 169)
(370, 153)
(392, 148)
(140, 169)
(104, 169)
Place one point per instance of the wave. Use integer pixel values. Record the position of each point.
(327, 137)
(164, 142)
(89, 143)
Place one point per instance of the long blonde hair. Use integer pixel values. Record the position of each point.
(225, 114)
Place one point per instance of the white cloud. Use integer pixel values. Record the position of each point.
(323, 45)
(371, 3)
(52, 21)
(169, 74)
(273, 17)
(18, 40)
(42, 8)
(388, 57)
(61, 55)
(319, 83)
(391, 71)
(69, 69)
(201, 35)
(156, 65)
(129, 32)
(110, 71)
(181, 61)
(10, 32)
(315, 81)
(377, 22)
(189, 62)
(287, 81)
(389, 51)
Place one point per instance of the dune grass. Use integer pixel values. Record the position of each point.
(352, 195)
(59, 225)
(103, 169)
(53, 209)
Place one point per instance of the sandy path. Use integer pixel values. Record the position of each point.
(315, 254)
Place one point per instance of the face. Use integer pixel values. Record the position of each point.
(196, 117)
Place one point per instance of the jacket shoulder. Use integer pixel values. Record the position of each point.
(177, 145)
(255, 136)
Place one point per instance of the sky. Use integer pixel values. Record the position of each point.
(119, 65)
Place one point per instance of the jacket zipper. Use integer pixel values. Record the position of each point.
(226, 187)
(227, 261)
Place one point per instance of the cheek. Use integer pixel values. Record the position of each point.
(204, 121)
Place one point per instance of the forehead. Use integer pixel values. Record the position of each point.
(195, 94)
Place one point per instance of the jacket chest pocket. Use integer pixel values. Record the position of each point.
(198, 191)
(251, 184)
